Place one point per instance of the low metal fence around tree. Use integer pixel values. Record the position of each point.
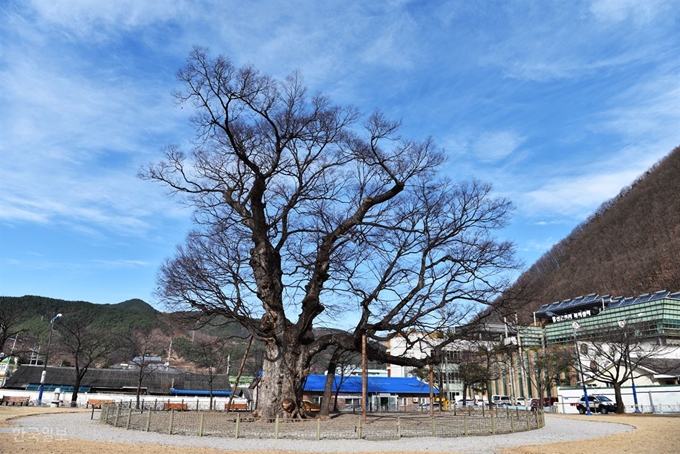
(344, 426)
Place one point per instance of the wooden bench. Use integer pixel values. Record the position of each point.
(97, 403)
(236, 406)
(175, 406)
(21, 400)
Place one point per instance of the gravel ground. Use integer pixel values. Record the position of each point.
(79, 426)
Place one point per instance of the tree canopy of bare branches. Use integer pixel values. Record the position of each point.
(11, 317)
(615, 351)
(306, 214)
(85, 343)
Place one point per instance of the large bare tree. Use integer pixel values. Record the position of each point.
(303, 217)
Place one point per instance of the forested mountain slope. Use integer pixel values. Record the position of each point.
(631, 245)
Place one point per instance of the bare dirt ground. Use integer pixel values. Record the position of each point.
(653, 434)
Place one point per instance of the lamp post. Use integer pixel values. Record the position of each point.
(576, 326)
(622, 325)
(47, 354)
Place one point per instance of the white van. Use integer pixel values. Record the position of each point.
(499, 399)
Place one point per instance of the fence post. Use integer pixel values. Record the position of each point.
(115, 421)
(433, 429)
(512, 424)
(398, 428)
(127, 424)
(465, 425)
(238, 423)
(318, 429)
(200, 426)
(493, 423)
(148, 420)
(197, 405)
(172, 420)
(359, 429)
(276, 428)
(528, 428)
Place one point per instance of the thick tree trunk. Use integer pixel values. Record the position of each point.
(76, 385)
(328, 389)
(620, 408)
(283, 374)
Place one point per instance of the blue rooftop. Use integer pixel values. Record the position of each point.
(199, 392)
(352, 385)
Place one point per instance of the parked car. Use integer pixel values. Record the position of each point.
(435, 406)
(521, 401)
(498, 399)
(535, 403)
(598, 403)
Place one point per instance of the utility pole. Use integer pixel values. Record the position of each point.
(512, 369)
(523, 370)
(364, 377)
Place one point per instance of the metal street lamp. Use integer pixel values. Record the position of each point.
(47, 354)
(576, 326)
(622, 325)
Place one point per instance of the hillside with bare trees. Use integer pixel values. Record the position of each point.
(629, 246)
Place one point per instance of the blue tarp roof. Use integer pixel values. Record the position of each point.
(199, 392)
(352, 384)
(51, 388)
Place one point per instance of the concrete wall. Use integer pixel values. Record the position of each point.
(49, 398)
(651, 399)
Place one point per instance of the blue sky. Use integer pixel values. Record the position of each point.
(559, 103)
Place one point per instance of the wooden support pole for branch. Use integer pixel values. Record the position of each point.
(432, 391)
(240, 371)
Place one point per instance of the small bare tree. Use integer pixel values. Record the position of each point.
(549, 366)
(142, 346)
(210, 354)
(85, 343)
(11, 317)
(614, 351)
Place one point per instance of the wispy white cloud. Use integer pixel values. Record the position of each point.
(639, 12)
(121, 263)
(493, 146)
(577, 196)
(97, 20)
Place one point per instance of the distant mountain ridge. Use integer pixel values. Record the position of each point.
(629, 246)
(126, 315)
